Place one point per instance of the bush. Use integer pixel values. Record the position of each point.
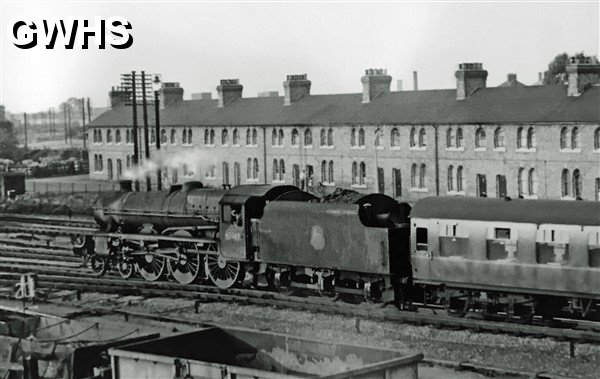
(57, 204)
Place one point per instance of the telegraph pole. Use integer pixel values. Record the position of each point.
(89, 110)
(146, 139)
(65, 118)
(83, 121)
(135, 137)
(70, 131)
(158, 135)
(25, 127)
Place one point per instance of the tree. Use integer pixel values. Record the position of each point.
(558, 68)
(9, 146)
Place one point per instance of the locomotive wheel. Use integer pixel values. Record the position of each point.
(151, 267)
(125, 269)
(187, 264)
(99, 265)
(222, 273)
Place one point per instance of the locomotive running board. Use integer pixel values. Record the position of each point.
(154, 237)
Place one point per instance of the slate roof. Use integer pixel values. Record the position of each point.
(486, 105)
(515, 210)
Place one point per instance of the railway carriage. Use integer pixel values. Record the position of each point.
(514, 256)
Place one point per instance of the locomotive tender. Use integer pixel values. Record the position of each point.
(494, 256)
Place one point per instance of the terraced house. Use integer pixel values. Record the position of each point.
(540, 141)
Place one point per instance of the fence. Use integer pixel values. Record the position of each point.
(69, 187)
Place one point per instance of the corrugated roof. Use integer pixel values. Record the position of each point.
(486, 105)
(517, 210)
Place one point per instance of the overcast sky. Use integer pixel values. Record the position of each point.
(197, 44)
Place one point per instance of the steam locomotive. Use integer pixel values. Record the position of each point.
(515, 258)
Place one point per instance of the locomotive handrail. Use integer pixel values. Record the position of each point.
(156, 237)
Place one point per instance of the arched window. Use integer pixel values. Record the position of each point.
(275, 169)
(280, 142)
(564, 137)
(274, 137)
(459, 137)
(308, 137)
(413, 175)
(532, 182)
(363, 173)
(295, 137)
(451, 178)
(521, 181)
(212, 137)
(361, 137)
(353, 137)
(531, 143)
(564, 182)
(575, 138)
(450, 137)
(281, 169)
(184, 138)
(576, 184)
(95, 139)
(236, 138)
(248, 137)
(499, 140)
(152, 136)
(422, 177)
(99, 135)
(323, 139)
(378, 140)
(354, 173)
(324, 171)
(206, 137)
(237, 174)
(119, 168)
(597, 192)
(173, 137)
(95, 162)
(255, 168)
(395, 137)
(597, 139)
(422, 138)
(127, 136)
(224, 137)
(330, 173)
(118, 136)
(480, 138)
(460, 179)
(101, 162)
(189, 140)
(128, 162)
(163, 136)
(520, 138)
(249, 168)
(109, 136)
(254, 137)
(330, 137)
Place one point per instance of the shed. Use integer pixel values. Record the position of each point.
(11, 183)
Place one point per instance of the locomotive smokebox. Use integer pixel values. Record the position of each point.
(191, 185)
(126, 185)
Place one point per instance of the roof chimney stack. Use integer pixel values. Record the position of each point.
(118, 96)
(469, 77)
(295, 87)
(399, 85)
(582, 72)
(415, 81)
(375, 82)
(170, 93)
(229, 90)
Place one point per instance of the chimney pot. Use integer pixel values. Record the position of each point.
(582, 72)
(415, 81)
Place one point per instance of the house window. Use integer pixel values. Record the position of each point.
(362, 173)
(212, 137)
(459, 179)
(100, 136)
(422, 138)
(353, 137)
(109, 136)
(330, 177)
(330, 137)
(397, 178)
(281, 169)
(254, 137)
(173, 137)
(564, 182)
(308, 138)
(225, 173)
(255, 169)
(323, 138)
(211, 172)
(236, 138)
(249, 168)
(520, 138)
(361, 137)
(152, 136)
(184, 137)
(499, 140)
(451, 178)
(354, 173)
(413, 175)
(450, 138)
(224, 137)
(532, 182)
(459, 137)
(413, 137)
(237, 173)
(531, 143)
(575, 138)
(275, 170)
(280, 135)
(521, 182)
(274, 141)
(564, 138)
(295, 138)
(324, 172)
(128, 162)
(421, 240)
(576, 184)
(163, 136)
(189, 136)
(422, 178)
(248, 137)
(378, 140)
(395, 137)
(597, 193)
(480, 139)
(127, 136)
(597, 139)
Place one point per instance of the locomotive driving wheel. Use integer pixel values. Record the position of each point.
(222, 273)
(151, 267)
(125, 268)
(187, 263)
(99, 264)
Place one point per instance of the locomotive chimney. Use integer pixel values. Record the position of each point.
(125, 185)
(191, 185)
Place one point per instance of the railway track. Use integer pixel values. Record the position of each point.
(58, 269)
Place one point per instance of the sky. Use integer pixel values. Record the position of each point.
(199, 43)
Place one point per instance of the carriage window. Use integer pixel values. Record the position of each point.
(552, 246)
(594, 248)
(502, 233)
(421, 239)
(500, 245)
(454, 241)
